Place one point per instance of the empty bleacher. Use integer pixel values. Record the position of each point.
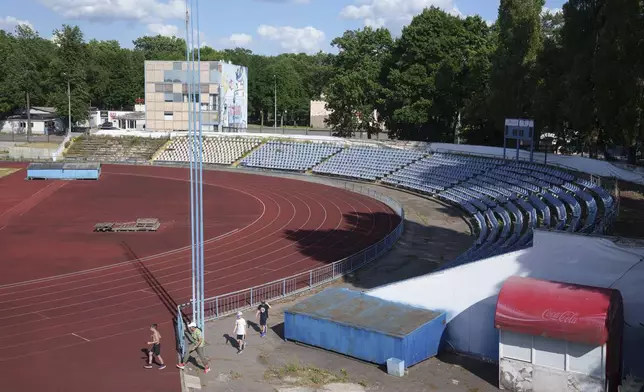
(113, 149)
(367, 163)
(506, 200)
(287, 155)
(216, 150)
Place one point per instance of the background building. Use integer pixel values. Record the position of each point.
(223, 96)
(318, 114)
(44, 121)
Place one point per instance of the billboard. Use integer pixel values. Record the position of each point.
(234, 95)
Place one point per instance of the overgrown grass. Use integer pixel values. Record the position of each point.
(5, 171)
(39, 145)
(302, 375)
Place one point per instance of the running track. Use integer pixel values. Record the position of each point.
(75, 305)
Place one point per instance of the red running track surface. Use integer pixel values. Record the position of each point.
(75, 305)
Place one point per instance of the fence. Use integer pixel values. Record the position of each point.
(22, 137)
(306, 131)
(226, 304)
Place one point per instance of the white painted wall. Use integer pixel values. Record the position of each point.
(37, 126)
(468, 293)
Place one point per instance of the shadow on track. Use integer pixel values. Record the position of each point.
(168, 302)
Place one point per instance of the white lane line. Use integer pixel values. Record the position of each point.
(42, 315)
(78, 336)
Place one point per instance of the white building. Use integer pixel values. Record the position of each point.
(119, 119)
(44, 121)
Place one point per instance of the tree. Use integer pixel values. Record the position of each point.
(620, 95)
(69, 70)
(519, 42)
(26, 70)
(550, 74)
(114, 75)
(161, 48)
(291, 94)
(437, 63)
(354, 91)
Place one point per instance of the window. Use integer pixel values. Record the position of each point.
(168, 97)
(517, 346)
(162, 87)
(131, 124)
(195, 97)
(549, 353)
(122, 124)
(167, 116)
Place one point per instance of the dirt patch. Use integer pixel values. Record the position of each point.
(5, 171)
(630, 222)
(295, 374)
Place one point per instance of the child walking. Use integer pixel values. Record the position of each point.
(262, 316)
(240, 331)
(155, 350)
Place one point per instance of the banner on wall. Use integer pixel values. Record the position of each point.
(234, 90)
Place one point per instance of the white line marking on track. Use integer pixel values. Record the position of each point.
(107, 267)
(41, 315)
(78, 336)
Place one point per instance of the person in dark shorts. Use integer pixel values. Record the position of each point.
(240, 331)
(155, 350)
(262, 316)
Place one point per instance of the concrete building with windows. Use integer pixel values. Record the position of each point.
(223, 96)
(44, 121)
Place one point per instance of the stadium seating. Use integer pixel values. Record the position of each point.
(296, 156)
(216, 150)
(113, 149)
(367, 163)
(507, 200)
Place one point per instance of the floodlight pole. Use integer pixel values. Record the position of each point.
(191, 162)
(200, 217)
(196, 162)
(275, 92)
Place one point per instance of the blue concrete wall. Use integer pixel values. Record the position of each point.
(424, 342)
(364, 327)
(355, 342)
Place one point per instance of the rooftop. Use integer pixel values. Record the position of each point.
(360, 310)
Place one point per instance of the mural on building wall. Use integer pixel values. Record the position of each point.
(234, 90)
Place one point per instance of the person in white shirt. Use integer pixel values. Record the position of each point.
(240, 331)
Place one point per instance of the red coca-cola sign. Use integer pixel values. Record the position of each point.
(554, 309)
(566, 317)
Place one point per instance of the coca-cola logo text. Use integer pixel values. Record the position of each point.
(567, 317)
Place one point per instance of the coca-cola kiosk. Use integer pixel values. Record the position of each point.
(556, 337)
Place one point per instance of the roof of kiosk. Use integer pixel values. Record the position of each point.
(557, 310)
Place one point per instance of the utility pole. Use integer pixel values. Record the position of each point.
(28, 117)
(275, 90)
(69, 106)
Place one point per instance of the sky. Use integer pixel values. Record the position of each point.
(263, 26)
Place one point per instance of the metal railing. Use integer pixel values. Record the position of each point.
(225, 304)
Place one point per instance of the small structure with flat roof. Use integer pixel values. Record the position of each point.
(365, 327)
